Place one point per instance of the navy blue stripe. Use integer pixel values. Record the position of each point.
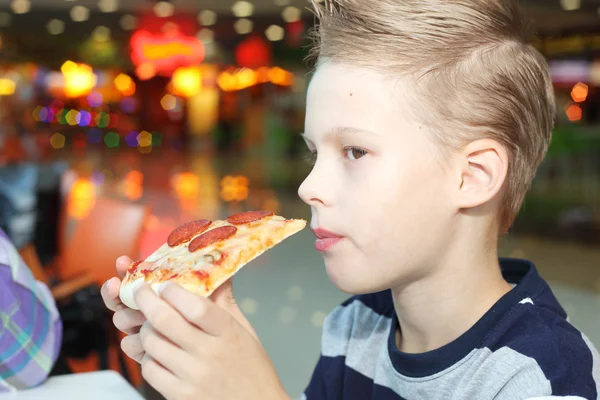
(334, 380)
(556, 346)
(380, 302)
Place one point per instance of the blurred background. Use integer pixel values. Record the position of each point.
(120, 120)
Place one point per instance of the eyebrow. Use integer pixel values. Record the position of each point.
(340, 131)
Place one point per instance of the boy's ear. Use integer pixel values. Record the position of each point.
(483, 169)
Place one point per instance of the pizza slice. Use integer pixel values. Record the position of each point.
(201, 255)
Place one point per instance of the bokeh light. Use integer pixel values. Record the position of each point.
(187, 81)
(580, 92)
(57, 141)
(79, 79)
(168, 102)
(82, 198)
(144, 139)
(125, 84)
(234, 188)
(7, 87)
(112, 140)
(574, 113)
(94, 136)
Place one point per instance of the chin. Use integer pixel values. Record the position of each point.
(352, 280)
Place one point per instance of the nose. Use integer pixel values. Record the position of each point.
(313, 190)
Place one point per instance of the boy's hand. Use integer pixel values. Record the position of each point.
(201, 348)
(125, 319)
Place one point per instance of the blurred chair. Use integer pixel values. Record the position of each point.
(60, 290)
(113, 228)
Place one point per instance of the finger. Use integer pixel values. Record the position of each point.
(128, 321)
(164, 352)
(160, 378)
(198, 310)
(165, 319)
(110, 294)
(224, 297)
(123, 264)
(132, 347)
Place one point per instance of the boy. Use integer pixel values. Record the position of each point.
(429, 119)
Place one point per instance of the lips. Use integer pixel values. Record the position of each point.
(326, 239)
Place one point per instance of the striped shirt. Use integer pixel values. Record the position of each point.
(30, 327)
(522, 348)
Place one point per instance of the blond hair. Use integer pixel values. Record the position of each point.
(472, 67)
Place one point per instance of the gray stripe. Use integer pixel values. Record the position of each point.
(360, 334)
(595, 363)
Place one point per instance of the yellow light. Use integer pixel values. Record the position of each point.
(245, 78)
(144, 139)
(36, 113)
(108, 6)
(80, 13)
(81, 199)
(68, 67)
(187, 81)
(145, 71)
(168, 102)
(580, 92)
(55, 26)
(80, 79)
(275, 33)
(20, 6)
(242, 9)
(570, 5)
(207, 17)
(57, 141)
(101, 33)
(262, 75)
(186, 187)
(72, 117)
(279, 76)
(243, 26)
(164, 9)
(227, 81)
(291, 14)
(132, 185)
(125, 85)
(234, 188)
(7, 87)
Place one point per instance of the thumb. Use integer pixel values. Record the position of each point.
(224, 298)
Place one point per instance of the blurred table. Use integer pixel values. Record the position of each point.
(101, 385)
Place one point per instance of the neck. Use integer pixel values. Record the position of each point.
(438, 309)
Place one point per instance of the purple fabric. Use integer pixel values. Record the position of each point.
(30, 327)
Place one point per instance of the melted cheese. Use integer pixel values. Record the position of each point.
(182, 266)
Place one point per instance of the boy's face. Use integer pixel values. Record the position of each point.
(377, 181)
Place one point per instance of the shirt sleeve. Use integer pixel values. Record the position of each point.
(30, 326)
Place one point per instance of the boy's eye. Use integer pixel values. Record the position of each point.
(354, 153)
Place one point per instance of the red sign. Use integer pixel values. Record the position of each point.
(253, 52)
(166, 51)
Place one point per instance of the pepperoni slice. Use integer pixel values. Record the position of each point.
(186, 231)
(247, 217)
(212, 236)
(133, 267)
